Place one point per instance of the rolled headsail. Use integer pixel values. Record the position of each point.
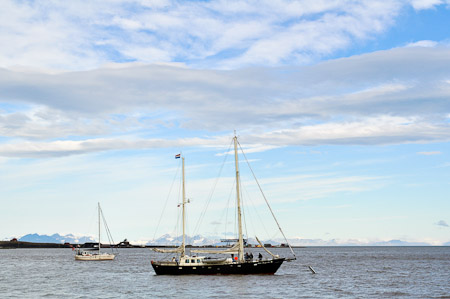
(273, 255)
(169, 250)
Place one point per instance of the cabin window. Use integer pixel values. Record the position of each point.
(186, 261)
(198, 261)
(192, 261)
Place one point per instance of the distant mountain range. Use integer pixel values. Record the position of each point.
(199, 240)
(56, 238)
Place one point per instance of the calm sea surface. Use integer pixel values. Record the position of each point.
(342, 272)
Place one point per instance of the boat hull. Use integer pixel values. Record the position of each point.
(253, 267)
(95, 257)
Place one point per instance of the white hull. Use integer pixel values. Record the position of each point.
(82, 255)
(95, 257)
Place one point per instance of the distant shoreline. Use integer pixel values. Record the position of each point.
(21, 244)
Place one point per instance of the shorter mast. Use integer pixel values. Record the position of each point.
(182, 248)
(98, 227)
(184, 215)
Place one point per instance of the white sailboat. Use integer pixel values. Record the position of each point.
(202, 265)
(96, 254)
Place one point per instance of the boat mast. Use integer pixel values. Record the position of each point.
(184, 215)
(98, 227)
(238, 199)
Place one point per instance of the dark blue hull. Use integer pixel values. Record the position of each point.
(253, 267)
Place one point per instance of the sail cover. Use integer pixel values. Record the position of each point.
(231, 250)
(167, 250)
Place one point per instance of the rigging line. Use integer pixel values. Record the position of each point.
(247, 215)
(108, 232)
(105, 226)
(227, 209)
(260, 189)
(243, 208)
(179, 216)
(275, 235)
(236, 230)
(223, 215)
(167, 200)
(187, 233)
(211, 193)
(202, 215)
(175, 229)
(257, 214)
(107, 229)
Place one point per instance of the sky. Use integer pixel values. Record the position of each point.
(342, 108)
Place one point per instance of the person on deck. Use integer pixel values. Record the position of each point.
(260, 256)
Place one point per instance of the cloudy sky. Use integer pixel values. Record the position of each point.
(343, 109)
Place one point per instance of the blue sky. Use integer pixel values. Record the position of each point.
(343, 108)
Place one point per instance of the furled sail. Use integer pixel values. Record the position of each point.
(231, 250)
(171, 250)
(273, 255)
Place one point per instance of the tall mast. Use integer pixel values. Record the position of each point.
(98, 227)
(184, 215)
(238, 199)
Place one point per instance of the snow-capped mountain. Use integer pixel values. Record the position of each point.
(56, 238)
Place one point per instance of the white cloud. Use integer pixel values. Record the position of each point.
(423, 43)
(383, 130)
(386, 97)
(80, 36)
(70, 147)
(425, 4)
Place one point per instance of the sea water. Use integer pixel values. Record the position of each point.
(341, 272)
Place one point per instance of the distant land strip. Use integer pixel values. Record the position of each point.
(20, 244)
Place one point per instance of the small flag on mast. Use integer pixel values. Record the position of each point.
(178, 156)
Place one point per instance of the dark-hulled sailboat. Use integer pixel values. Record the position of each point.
(238, 263)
